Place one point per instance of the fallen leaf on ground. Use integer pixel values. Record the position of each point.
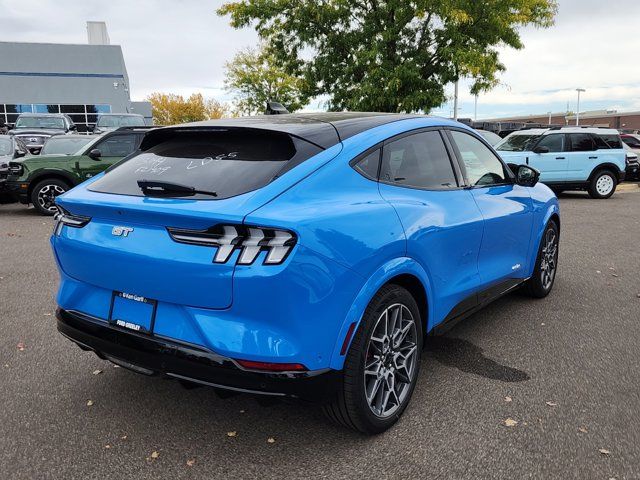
(89, 403)
(123, 437)
(107, 446)
(582, 430)
(598, 271)
(21, 346)
(47, 314)
(116, 366)
(271, 440)
(542, 324)
(604, 451)
(97, 372)
(232, 434)
(551, 404)
(191, 463)
(154, 454)
(614, 274)
(507, 399)
(510, 422)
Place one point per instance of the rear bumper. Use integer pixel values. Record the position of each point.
(154, 355)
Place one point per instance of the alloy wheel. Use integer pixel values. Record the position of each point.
(47, 197)
(390, 361)
(604, 185)
(549, 261)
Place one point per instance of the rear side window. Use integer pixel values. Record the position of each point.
(607, 141)
(368, 166)
(228, 162)
(581, 142)
(419, 160)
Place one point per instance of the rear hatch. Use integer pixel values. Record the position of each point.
(126, 247)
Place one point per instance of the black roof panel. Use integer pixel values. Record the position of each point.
(324, 129)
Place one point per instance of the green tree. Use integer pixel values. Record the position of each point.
(390, 55)
(256, 78)
(171, 109)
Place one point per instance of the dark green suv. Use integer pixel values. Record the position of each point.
(39, 180)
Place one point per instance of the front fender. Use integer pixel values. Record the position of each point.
(391, 269)
(545, 206)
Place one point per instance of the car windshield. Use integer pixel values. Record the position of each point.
(492, 138)
(64, 145)
(6, 146)
(517, 142)
(55, 123)
(228, 162)
(120, 121)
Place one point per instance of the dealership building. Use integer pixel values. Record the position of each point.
(623, 121)
(80, 80)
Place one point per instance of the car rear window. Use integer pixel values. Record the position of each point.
(227, 162)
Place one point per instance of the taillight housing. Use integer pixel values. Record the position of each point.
(64, 218)
(249, 240)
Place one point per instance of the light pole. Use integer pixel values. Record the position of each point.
(579, 90)
(475, 110)
(455, 101)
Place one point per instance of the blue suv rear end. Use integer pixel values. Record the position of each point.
(302, 256)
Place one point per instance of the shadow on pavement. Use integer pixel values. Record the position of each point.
(467, 357)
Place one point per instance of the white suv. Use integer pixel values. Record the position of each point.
(570, 158)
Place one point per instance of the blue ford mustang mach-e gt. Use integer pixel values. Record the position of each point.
(302, 256)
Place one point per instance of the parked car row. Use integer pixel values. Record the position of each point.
(572, 158)
(34, 129)
(39, 179)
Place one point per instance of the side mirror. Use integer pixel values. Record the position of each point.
(95, 154)
(91, 127)
(527, 176)
(20, 153)
(72, 128)
(541, 150)
(513, 167)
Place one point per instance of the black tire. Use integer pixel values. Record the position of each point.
(351, 408)
(44, 193)
(603, 184)
(538, 286)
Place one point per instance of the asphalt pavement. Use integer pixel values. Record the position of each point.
(544, 389)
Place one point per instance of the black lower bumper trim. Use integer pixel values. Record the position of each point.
(154, 355)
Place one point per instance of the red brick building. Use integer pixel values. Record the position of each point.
(626, 121)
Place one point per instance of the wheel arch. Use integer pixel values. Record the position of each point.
(615, 169)
(403, 271)
(46, 174)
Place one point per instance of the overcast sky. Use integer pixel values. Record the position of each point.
(181, 46)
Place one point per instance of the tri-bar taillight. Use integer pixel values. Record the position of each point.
(249, 240)
(64, 218)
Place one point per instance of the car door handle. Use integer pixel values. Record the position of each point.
(561, 158)
(593, 158)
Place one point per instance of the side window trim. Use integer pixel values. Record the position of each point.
(353, 163)
(457, 173)
(510, 180)
(452, 161)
